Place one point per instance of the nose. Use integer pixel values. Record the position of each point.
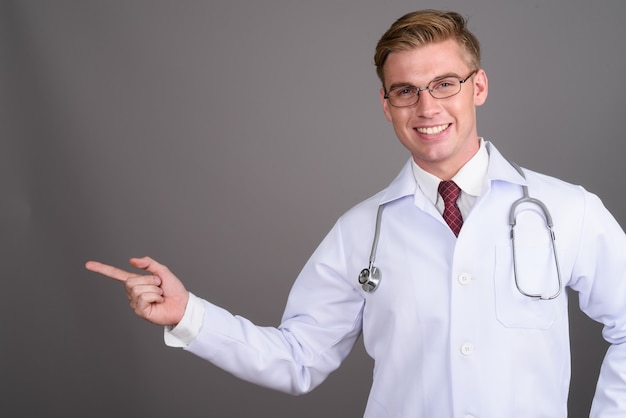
(427, 106)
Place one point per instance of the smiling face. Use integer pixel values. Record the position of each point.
(441, 134)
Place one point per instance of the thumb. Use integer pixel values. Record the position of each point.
(149, 265)
(140, 263)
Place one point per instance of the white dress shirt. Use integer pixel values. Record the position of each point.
(470, 178)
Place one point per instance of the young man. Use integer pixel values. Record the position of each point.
(461, 320)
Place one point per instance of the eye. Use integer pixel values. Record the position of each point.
(445, 84)
(404, 91)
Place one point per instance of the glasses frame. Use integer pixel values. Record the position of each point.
(427, 87)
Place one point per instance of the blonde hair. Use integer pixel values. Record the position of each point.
(424, 27)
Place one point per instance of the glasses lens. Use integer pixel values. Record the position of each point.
(446, 87)
(403, 96)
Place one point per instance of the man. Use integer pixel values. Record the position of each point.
(460, 320)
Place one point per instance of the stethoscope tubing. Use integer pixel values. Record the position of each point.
(549, 225)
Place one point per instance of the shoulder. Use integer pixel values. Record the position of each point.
(363, 211)
(572, 201)
(401, 187)
(551, 183)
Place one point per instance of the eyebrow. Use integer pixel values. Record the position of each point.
(406, 84)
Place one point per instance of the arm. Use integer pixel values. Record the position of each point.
(322, 321)
(320, 325)
(600, 279)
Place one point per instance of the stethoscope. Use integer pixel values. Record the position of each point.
(370, 277)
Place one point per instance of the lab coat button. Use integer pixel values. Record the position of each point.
(467, 349)
(465, 278)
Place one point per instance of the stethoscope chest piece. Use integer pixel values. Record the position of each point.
(369, 278)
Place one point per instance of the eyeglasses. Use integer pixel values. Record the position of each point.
(439, 88)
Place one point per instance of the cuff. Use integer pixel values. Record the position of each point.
(189, 326)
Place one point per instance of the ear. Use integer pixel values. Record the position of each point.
(481, 87)
(385, 104)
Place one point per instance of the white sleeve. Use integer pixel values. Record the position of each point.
(600, 273)
(189, 326)
(321, 323)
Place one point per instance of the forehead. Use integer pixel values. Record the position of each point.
(420, 65)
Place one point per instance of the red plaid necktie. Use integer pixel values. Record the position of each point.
(451, 213)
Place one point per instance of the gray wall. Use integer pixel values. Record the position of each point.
(224, 138)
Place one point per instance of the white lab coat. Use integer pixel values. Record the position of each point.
(450, 333)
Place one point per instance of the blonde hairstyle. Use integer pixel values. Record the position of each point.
(424, 27)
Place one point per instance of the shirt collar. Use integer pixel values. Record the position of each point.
(498, 169)
(470, 178)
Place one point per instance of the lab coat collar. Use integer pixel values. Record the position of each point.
(499, 169)
(403, 185)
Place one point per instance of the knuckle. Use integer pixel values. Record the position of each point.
(134, 292)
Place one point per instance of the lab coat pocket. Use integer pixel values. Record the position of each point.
(536, 274)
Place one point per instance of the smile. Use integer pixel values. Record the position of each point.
(432, 130)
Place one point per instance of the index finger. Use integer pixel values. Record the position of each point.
(107, 270)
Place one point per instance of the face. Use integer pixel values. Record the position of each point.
(441, 134)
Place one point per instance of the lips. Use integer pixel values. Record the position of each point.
(432, 130)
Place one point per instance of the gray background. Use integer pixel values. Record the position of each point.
(224, 138)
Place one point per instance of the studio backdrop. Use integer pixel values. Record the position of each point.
(224, 138)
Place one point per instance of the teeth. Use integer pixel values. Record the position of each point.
(432, 129)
